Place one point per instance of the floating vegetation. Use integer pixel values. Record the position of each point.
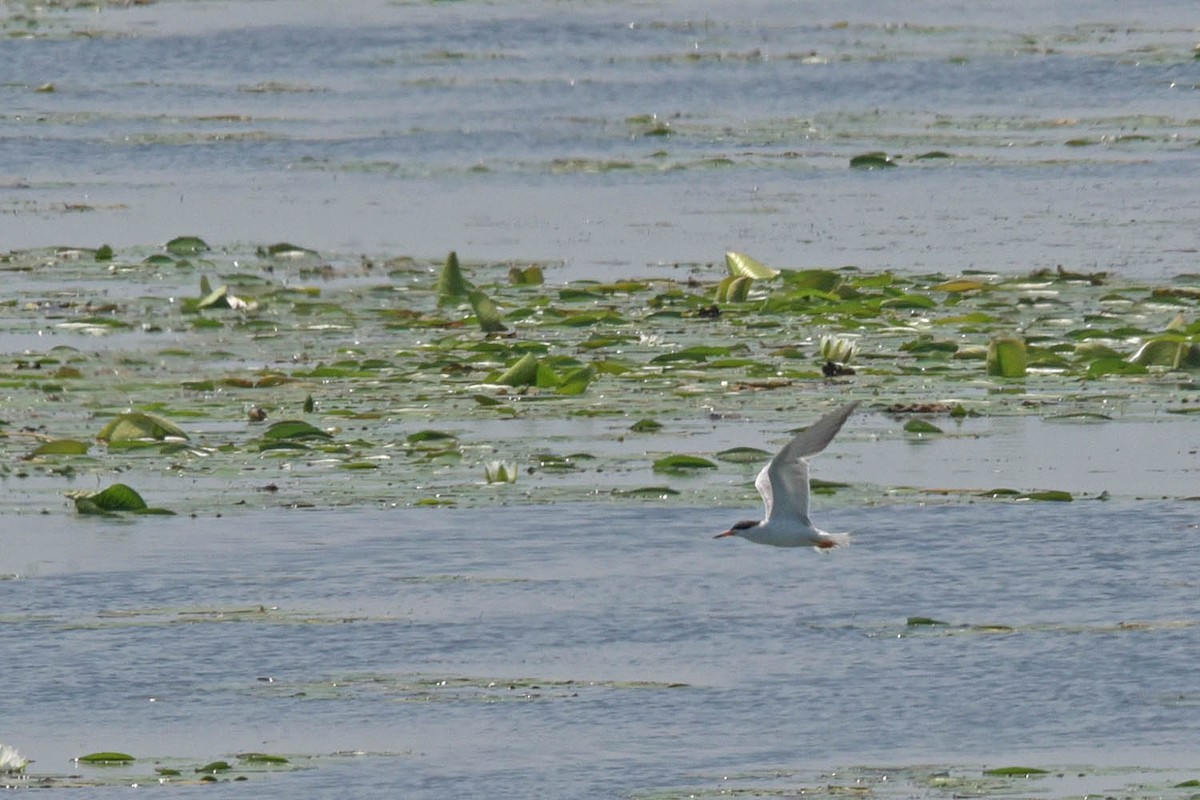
(11, 761)
(112, 500)
(343, 379)
(873, 160)
(423, 688)
(500, 472)
(105, 757)
(136, 427)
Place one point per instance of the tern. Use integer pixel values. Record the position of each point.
(783, 484)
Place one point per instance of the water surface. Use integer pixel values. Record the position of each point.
(594, 651)
(614, 649)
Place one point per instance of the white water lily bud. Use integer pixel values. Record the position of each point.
(500, 471)
(837, 349)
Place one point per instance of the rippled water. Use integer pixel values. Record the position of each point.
(518, 130)
(601, 651)
(615, 650)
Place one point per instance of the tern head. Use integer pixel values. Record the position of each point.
(739, 528)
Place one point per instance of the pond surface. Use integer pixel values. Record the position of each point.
(554, 637)
(586, 651)
(612, 137)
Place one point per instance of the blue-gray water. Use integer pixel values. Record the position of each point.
(791, 660)
(524, 130)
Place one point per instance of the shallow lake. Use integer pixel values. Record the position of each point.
(586, 650)
(550, 638)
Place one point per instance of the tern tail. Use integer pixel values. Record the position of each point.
(828, 541)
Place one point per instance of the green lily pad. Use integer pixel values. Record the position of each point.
(529, 276)
(294, 429)
(1015, 771)
(116, 498)
(734, 289)
(262, 758)
(1114, 366)
(682, 464)
(428, 436)
(214, 767)
(1172, 352)
(452, 284)
(1050, 495)
(106, 757)
(523, 373)
(60, 447)
(646, 491)
(921, 426)
(486, 312)
(646, 426)
(187, 246)
(742, 265)
(1006, 357)
(917, 622)
(285, 250)
(136, 425)
(873, 160)
(576, 381)
(744, 455)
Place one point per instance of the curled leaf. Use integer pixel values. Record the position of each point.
(451, 284)
(1006, 357)
(490, 320)
(136, 426)
(742, 265)
(523, 373)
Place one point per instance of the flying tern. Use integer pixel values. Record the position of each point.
(783, 484)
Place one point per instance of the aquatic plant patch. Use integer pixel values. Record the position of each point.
(343, 380)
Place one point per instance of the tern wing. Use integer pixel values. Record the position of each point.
(783, 483)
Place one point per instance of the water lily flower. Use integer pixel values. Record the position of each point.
(500, 471)
(10, 759)
(837, 349)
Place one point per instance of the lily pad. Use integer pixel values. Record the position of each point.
(873, 160)
(486, 312)
(136, 425)
(60, 447)
(1172, 352)
(921, 426)
(452, 284)
(262, 758)
(106, 757)
(1006, 357)
(1015, 771)
(187, 246)
(742, 265)
(682, 464)
(744, 455)
(522, 373)
(1050, 495)
(294, 429)
(116, 498)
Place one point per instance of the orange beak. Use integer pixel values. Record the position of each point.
(726, 533)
